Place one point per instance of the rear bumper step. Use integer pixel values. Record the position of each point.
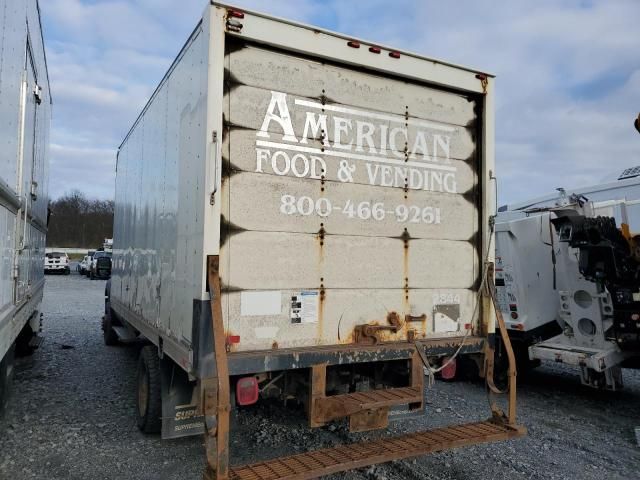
(346, 457)
(339, 406)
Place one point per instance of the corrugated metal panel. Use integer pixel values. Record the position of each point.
(331, 208)
(272, 70)
(341, 311)
(347, 196)
(281, 260)
(368, 131)
(455, 175)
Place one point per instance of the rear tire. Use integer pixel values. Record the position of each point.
(110, 336)
(6, 376)
(148, 395)
(22, 347)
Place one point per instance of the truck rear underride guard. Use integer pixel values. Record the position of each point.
(366, 410)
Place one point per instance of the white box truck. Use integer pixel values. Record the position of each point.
(25, 116)
(301, 214)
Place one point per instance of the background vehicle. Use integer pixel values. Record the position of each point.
(84, 265)
(556, 309)
(25, 116)
(57, 262)
(100, 266)
(319, 228)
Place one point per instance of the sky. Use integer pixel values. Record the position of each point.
(567, 87)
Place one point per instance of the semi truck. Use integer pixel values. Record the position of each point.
(304, 215)
(564, 279)
(25, 116)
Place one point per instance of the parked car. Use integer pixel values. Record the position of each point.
(85, 265)
(100, 265)
(57, 262)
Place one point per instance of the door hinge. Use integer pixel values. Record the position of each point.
(34, 191)
(214, 140)
(16, 269)
(37, 92)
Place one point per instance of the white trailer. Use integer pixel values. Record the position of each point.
(25, 116)
(303, 214)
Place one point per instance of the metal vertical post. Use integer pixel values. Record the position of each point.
(216, 390)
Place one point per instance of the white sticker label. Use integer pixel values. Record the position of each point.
(305, 306)
(446, 312)
(260, 303)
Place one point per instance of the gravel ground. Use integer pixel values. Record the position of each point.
(72, 417)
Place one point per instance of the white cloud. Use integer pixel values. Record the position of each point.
(105, 59)
(91, 170)
(564, 70)
(568, 83)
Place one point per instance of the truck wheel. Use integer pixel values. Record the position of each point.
(22, 346)
(148, 398)
(6, 375)
(110, 336)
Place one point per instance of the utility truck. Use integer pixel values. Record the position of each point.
(25, 116)
(304, 215)
(566, 277)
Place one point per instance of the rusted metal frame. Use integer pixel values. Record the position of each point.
(417, 378)
(368, 420)
(216, 389)
(511, 371)
(346, 457)
(241, 363)
(370, 409)
(368, 334)
(340, 406)
(318, 386)
(246, 363)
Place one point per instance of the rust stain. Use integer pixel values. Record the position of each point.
(320, 326)
(230, 347)
(348, 339)
(406, 304)
(372, 334)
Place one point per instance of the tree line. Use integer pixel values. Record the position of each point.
(77, 221)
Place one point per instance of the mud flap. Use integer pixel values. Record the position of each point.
(180, 416)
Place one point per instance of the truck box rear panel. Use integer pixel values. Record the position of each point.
(346, 195)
